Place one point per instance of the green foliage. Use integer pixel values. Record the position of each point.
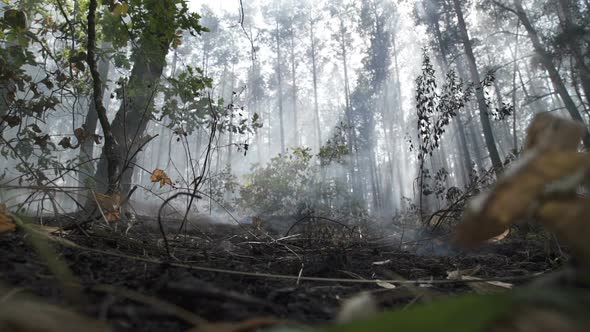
(277, 187)
(222, 187)
(62, 79)
(435, 108)
(293, 184)
(336, 148)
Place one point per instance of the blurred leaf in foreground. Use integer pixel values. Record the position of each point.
(21, 315)
(550, 168)
(570, 220)
(463, 314)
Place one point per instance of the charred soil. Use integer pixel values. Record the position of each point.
(227, 273)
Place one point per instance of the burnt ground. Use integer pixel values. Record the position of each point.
(110, 264)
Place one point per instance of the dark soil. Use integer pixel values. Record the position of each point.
(138, 261)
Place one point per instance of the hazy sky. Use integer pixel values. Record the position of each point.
(217, 5)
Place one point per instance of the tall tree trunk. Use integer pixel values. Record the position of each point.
(514, 109)
(349, 131)
(502, 128)
(90, 123)
(133, 116)
(231, 132)
(574, 44)
(164, 137)
(483, 109)
(315, 84)
(112, 163)
(280, 87)
(458, 126)
(294, 87)
(547, 61)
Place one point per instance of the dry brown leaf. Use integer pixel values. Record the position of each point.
(253, 324)
(570, 220)
(110, 205)
(514, 196)
(81, 134)
(550, 131)
(30, 316)
(6, 222)
(159, 175)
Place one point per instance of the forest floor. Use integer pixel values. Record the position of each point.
(227, 273)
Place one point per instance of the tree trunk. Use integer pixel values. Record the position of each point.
(583, 72)
(547, 61)
(112, 164)
(458, 126)
(514, 108)
(90, 123)
(280, 87)
(315, 85)
(294, 82)
(347, 110)
(133, 116)
(230, 147)
(483, 111)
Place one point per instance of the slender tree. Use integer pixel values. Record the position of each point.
(475, 77)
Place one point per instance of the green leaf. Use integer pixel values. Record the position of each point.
(468, 313)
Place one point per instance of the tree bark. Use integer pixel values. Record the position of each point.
(294, 91)
(131, 120)
(457, 124)
(90, 124)
(547, 61)
(565, 17)
(280, 87)
(483, 109)
(315, 84)
(347, 110)
(110, 143)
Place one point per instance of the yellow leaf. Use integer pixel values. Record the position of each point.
(6, 222)
(159, 175)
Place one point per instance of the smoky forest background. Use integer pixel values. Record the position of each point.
(355, 143)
